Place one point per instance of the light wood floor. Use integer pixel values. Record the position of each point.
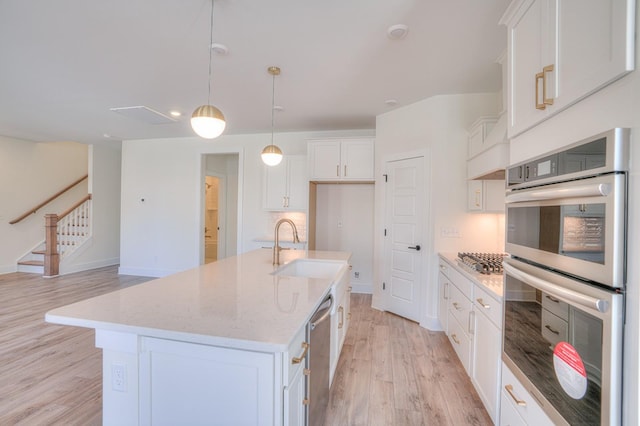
(394, 372)
(391, 372)
(50, 374)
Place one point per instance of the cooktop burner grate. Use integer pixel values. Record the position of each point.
(484, 263)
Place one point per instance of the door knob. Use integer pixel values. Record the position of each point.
(416, 247)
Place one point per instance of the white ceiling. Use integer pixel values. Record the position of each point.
(64, 63)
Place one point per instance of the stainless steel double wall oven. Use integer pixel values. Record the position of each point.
(566, 216)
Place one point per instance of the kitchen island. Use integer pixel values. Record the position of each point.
(210, 345)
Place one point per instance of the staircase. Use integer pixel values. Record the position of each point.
(72, 230)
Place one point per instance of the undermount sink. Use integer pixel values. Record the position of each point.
(310, 268)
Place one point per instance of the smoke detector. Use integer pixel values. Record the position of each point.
(397, 32)
(219, 49)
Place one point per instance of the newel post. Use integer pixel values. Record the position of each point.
(51, 256)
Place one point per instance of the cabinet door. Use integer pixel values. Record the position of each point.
(295, 399)
(443, 300)
(475, 196)
(357, 159)
(324, 160)
(494, 191)
(531, 48)
(275, 186)
(595, 45)
(486, 363)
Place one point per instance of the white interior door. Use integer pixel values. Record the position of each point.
(404, 236)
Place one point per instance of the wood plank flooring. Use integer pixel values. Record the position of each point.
(391, 372)
(50, 374)
(394, 372)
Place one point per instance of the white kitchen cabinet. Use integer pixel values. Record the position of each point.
(443, 299)
(517, 406)
(486, 196)
(341, 160)
(549, 64)
(487, 341)
(478, 133)
(286, 185)
(296, 396)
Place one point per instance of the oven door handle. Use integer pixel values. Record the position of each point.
(555, 290)
(592, 190)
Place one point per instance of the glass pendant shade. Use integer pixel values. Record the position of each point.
(208, 122)
(271, 155)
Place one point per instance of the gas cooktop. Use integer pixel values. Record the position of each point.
(484, 263)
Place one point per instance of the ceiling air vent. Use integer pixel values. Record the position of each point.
(145, 114)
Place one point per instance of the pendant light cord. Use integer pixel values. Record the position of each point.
(210, 53)
(273, 103)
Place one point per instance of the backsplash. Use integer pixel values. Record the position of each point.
(286, 233)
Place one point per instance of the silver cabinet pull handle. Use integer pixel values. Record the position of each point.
(338, 170)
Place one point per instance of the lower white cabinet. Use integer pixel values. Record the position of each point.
(486, 359)
(518, 406)
(296, 398)
(472, 318)
(443, 300)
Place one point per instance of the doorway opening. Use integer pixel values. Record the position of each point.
(220, 207)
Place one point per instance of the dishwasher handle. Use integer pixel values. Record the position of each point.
(315, 321)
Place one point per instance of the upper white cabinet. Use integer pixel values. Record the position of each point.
(285, 185)
(560, 51)
(486, 196)
(341, 160)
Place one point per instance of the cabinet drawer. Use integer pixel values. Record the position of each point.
(460, 342)
(556, 306)
(554, 328)
(514, 393)
(296, 350)
(460, 307)
(485, 303)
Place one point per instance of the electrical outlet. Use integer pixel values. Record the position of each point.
(118, 377)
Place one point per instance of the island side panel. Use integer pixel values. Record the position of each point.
(120, 369)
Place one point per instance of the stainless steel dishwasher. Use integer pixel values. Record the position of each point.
(319, 338)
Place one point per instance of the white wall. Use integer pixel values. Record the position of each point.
(617, 105)
(104, 184)
(30, 173)
(162, 235)
(344, 222)
(437, 126)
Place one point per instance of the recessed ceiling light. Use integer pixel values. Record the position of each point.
(397, 32)
(219, 49)
(175, 113)
(391, 102)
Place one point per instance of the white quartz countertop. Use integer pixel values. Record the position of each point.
(234, 302)
(493, 282)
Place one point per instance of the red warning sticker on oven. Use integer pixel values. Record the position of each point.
(570, 370)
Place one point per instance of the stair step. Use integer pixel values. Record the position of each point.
(31, 262)
(42, 252)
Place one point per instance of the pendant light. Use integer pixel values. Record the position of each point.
(271, 154)
(207, 120)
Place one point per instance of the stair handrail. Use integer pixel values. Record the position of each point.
(47, 201)
(75, 206)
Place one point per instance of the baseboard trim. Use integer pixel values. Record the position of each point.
(8, 269)
(361, 288)
(147, 272)
(431, 323)
(70, 269)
